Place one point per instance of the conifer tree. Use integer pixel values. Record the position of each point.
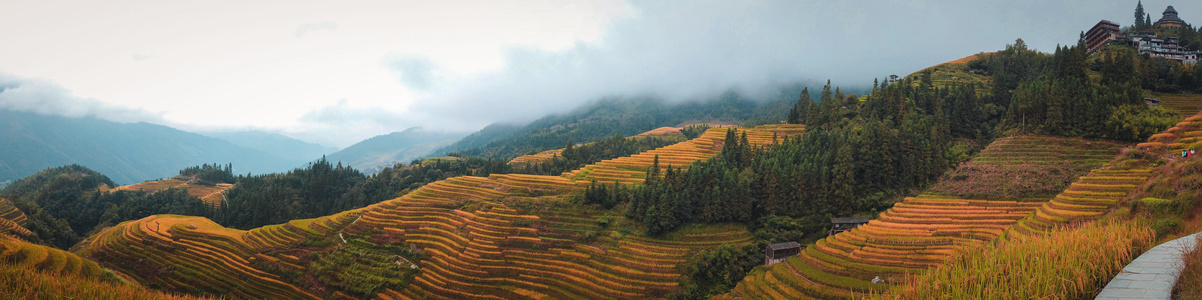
(1139, 15)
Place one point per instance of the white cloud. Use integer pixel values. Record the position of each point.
(310, 27)
(46, 98)
(459, 64)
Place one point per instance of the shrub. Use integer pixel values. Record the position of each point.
(1189, 285)
(1154, 205)
(1166, 225)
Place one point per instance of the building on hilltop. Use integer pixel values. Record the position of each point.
(1107, 32)
(1170, 19)
(1166, 47)
(1102, 33)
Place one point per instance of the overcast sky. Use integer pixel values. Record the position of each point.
(337, 72)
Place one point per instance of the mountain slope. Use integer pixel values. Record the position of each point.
(127, 152)
(386, 150)
(626, 116)
(284, 147)
(503, 236)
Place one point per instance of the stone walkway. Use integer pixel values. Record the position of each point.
(1151, 275)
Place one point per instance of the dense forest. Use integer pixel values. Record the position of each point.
(66, 203)
(1055, 95)
(860, 155)
(323, 188)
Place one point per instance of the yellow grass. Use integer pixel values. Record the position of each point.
(1062, 264)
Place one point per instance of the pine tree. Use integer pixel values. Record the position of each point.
(1139, 15)
(794, 116)
(652, 172)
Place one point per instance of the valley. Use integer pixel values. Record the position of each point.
(1017, 173)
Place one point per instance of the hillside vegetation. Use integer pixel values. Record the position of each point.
(62, 204)
(625, 116)
(29, 271)
(658, 215)
(501, 236)
(928, 230)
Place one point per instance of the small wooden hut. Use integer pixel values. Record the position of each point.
(844, 224)
(778, 252)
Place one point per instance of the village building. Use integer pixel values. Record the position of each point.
(1107, 32)
(1101, 34)
(778, 252)
(844, 224)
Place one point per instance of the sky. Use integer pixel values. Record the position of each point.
(338, 72)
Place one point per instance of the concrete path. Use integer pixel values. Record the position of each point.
(1151, 275)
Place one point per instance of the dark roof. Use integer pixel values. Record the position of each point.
(855, 220)
(1170, 10)
(785, 245)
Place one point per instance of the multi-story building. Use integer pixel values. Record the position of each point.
(1106, 32)
(1167, 47)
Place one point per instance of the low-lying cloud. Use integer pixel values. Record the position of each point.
(690, 51)
(47, 98)
(306, 28)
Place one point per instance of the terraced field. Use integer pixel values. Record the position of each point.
(1183, 104)
(195, 255)
(662, 132)
(632, 169)
(24, 255)
(1185, 135)
(1088, 198)
(495, 251)
(1025, 167)
(10, 212)
(502, 236)
(925, 231)
(956, 72)
(12, 220)
(153, 186)
(536, 158)
(31, 271)
(213, 195)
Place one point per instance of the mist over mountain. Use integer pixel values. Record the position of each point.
(126, 152)
(398, 147)
(629, 116)
(281, 146)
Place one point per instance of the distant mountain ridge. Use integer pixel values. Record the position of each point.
(275, 144)
(381, 151)
(627, 116)
(127, 152)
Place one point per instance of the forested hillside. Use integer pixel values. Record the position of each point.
(680, 215)
(625, 116)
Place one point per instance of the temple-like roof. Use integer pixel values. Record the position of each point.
(1170, 18)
